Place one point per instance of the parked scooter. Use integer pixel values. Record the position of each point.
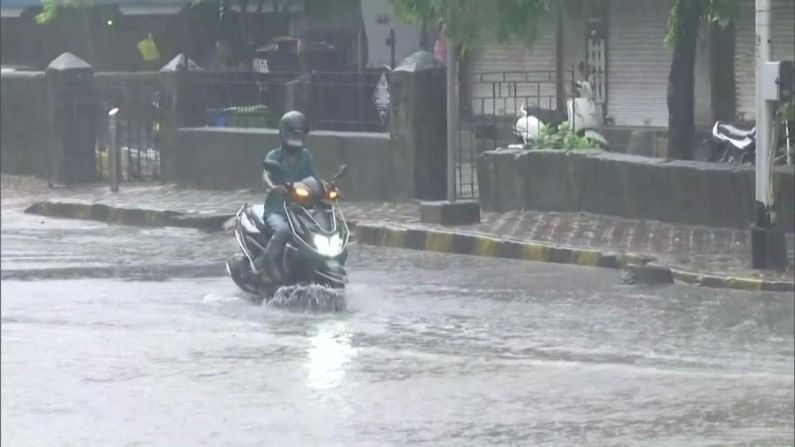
(583, 114)
(585, 117)
(527, 128)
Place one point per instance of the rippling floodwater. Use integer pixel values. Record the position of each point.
(433, 350)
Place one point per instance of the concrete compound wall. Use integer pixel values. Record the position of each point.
(628, 186)
(221, 158)
(25, 134)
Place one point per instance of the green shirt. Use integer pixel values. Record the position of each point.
(296, 167)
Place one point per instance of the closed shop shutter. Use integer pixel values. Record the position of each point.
(638, 62)
(783, 48)
(507, 71)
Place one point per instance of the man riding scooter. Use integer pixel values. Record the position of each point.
(297, 164)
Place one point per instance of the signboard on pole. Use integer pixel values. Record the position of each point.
(381, 98)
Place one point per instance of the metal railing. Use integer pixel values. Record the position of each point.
(494, 103)
(137, 126)
(332, 101)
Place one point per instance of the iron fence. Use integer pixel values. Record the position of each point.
(495, 101)
(332, 101)
(138, 99)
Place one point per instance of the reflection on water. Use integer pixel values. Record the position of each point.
(440, 352)
(329, 354)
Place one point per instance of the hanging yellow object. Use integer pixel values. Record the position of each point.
(148, 49)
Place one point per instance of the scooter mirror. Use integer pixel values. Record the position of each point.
(341, 173)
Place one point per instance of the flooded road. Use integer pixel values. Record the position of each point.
(115, 336)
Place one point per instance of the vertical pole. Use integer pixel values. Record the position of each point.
(452, 116)
(113, 150)
(768, 246)
(764, 112)
(392, 44)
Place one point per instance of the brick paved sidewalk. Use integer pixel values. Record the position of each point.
(702, 249)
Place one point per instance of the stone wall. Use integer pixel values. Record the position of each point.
(628, 186)
(231, 158)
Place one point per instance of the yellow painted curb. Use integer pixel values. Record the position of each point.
(686, 277)
(442, 242)
(751, 284)
(587, 257)
(628, 259)
(394, 238)
(535, 252)
(486, 247)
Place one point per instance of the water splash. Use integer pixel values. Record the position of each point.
(220, 298)
(310, 298)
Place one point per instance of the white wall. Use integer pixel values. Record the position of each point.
(407, 36)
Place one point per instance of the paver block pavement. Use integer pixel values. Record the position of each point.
(687, 248)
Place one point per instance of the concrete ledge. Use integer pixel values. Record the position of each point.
(231, 159)
(464, 212)
(629, 186)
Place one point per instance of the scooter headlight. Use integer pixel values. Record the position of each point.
(328, 246)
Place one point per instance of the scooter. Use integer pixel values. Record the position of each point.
(526, 129)
(316, 251)
(583, 115)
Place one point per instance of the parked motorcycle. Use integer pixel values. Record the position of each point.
(317, 249)
(730, 144)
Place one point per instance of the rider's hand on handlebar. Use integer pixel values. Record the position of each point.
(281, 189)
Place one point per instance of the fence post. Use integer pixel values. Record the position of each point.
(72, 115)
(417, 126)
(175, 103)
(114, 157)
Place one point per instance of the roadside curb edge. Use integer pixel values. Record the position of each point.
(465, 244)
(385, 235)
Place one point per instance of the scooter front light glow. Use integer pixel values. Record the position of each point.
(328, 246)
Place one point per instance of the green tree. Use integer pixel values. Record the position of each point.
(471, 21)
(684, 23)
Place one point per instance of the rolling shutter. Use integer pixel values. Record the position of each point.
(493, 67)
(638, 62)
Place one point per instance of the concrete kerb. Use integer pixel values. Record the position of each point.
(475, 245)
(413, 238)
(128, 216)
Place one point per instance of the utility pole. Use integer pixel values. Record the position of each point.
(451, 211)
(767, 245)
(452, 112)
(114, 157)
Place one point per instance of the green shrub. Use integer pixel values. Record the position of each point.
(561, 137)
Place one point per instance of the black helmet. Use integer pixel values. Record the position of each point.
(293, 129)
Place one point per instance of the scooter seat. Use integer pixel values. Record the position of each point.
(741, 139)
(733, 132)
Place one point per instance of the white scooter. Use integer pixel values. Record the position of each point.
(527, 129)
(583, 115)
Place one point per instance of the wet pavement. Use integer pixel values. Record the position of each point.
(133, 337)
(705, 250)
